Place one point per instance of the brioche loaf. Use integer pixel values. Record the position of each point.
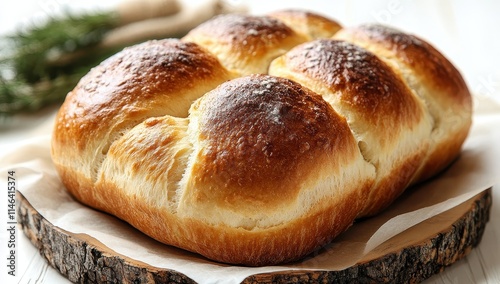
(256, 140)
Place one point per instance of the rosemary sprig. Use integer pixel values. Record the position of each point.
(17, 96)
(37, 47)
(31, 76)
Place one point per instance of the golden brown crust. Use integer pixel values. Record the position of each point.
(311, 25)
(245, 44)
(428, 63)
(357, 77)
(137, 75)
(259, 170)
(269, 125)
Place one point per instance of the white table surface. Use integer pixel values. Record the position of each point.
(465, 31)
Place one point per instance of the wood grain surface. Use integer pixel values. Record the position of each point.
(83, 259)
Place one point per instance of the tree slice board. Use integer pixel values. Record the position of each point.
(411, 257)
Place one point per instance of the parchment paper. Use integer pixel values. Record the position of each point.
(477, 169)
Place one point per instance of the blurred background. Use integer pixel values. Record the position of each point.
(35, 77)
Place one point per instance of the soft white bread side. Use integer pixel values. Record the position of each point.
(182, 141)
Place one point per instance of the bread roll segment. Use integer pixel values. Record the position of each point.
(270, 155)
(265, 153)
(245, 44)
(391, 124)
(194, 144)
(433, 78)
(147, 80)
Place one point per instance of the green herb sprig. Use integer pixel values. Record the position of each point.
(31, 74)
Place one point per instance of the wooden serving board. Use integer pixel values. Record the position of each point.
(411, 257)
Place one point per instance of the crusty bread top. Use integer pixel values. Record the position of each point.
(310, 25)
(428, 63)
(232, 38)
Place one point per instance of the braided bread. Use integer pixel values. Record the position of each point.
(255, 140)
